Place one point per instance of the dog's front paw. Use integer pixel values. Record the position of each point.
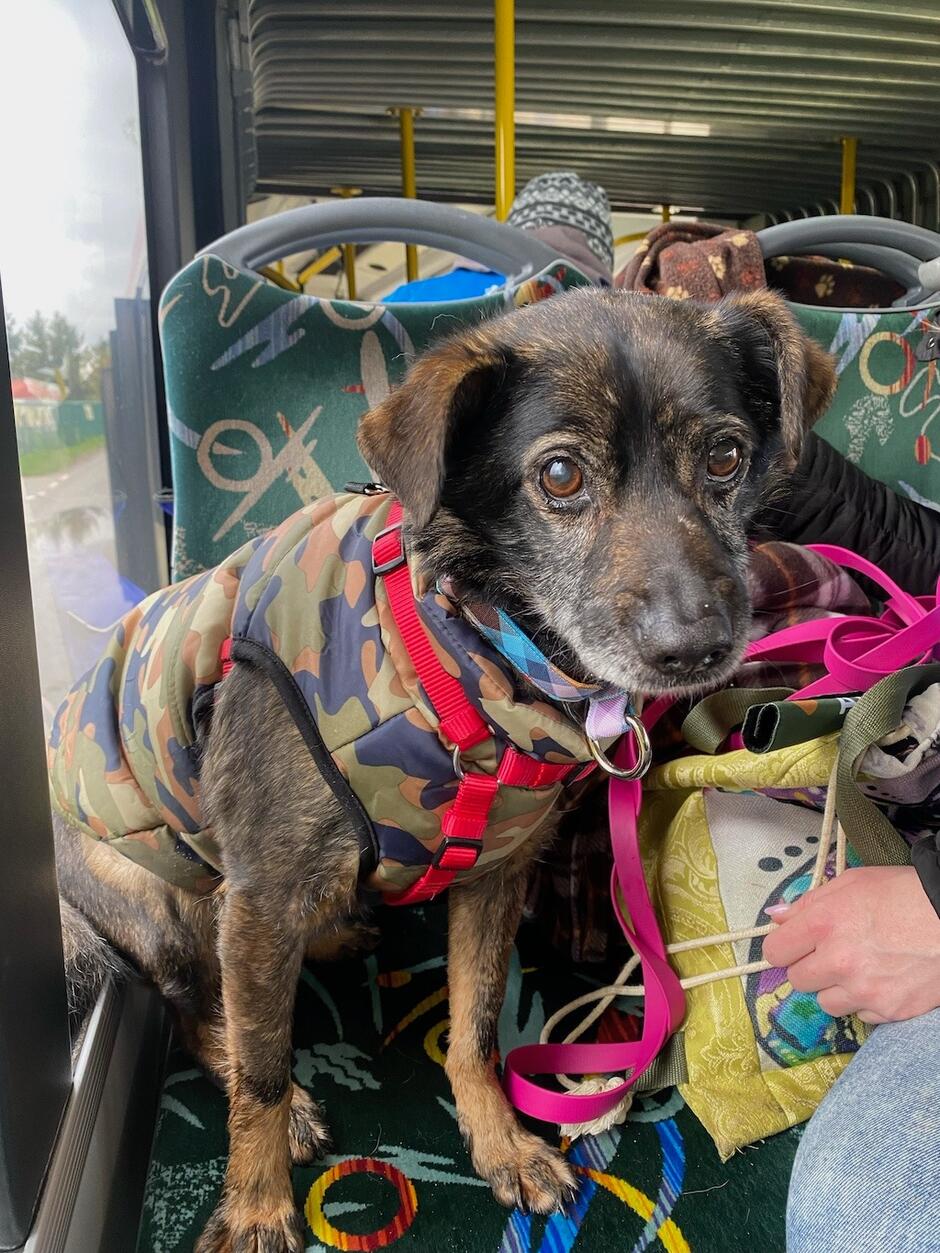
(526, 1173)
(236, 1229)
(309, 1134)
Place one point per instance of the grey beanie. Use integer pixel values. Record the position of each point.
(564, 199)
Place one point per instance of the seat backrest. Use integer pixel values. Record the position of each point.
(265, 388)
(885, 416)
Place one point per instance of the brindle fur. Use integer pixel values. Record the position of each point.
(634, 389)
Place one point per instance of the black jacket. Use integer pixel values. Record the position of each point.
(831, 501)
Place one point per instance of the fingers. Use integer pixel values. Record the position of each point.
(792, 909)
(837, 1001)
(790, 942)
(811, 973)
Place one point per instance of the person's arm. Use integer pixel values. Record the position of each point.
(868, 942)
(831, 501)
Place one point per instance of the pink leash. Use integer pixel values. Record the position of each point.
(856, 651)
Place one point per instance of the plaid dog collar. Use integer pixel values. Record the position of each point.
(610, 712)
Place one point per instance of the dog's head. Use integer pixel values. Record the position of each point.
(591, 464)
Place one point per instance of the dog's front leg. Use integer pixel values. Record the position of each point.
(520, 1167)
(261, 945)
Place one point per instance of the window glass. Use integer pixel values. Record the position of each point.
(73, 264)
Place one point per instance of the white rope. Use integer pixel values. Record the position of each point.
(605, 997)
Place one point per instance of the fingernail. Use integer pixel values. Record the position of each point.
(776, 910)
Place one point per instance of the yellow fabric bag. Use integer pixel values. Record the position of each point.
(722, 838)
(759, 1056)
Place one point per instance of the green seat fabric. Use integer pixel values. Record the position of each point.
(265, 387)
(886, 413)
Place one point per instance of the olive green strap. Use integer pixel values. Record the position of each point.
(876, 714)
(707, 726)
(785, 723)
(669, 1068)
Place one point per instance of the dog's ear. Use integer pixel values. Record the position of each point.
(780, 361)
(404, 440)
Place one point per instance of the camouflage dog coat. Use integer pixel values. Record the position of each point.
(302, 604)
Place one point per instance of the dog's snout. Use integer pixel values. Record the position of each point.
(682, 644)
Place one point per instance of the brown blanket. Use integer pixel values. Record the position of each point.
(694, 260)
(836, 284)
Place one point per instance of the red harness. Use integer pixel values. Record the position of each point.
(465, 822)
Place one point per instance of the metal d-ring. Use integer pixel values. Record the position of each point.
(458, 764)
(644, 752)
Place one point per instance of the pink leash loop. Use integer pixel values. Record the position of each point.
(857, 651)
(664, 998)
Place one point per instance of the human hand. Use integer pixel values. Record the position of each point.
(868, 942)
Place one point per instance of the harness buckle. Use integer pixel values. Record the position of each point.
(366, 489)
(466, 853)
(390, 540)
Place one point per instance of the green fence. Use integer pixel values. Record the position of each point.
(51, 434)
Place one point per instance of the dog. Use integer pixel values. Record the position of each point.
(590, 465)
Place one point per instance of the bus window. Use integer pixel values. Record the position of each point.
(74, 262)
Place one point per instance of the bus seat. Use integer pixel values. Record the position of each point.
(883, 415)
(265, 387)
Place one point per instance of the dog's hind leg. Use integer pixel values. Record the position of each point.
(520, 1167)
(114, 910)
(291, 866)
(166, 933)
(90, 961)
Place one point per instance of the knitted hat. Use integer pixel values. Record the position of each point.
(563, 199)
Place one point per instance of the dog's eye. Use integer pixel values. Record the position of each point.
(724, 460)
(561, 477)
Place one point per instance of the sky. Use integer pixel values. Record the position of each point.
(71, 205)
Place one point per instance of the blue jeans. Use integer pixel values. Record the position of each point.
(867, 1173)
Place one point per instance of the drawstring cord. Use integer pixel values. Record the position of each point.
(605, 997)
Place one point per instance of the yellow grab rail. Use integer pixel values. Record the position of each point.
(849, 161)
(632, 238)
(349, 250)
(409, 182)
(504, 57)
(318, 265)
(275, 274)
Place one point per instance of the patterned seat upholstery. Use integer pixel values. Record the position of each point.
(265, 387)
(884, 417)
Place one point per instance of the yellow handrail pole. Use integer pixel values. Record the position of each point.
(349, 265)
(849, 161)
(633, 238)
(349, 250)
(504, 58)
(666, 213)
(317, 265)
(275, 274)
(409, 182)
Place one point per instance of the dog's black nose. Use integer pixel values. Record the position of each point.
(678, 649)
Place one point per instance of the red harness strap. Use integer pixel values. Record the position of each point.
(225, 656)
(465, 822)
